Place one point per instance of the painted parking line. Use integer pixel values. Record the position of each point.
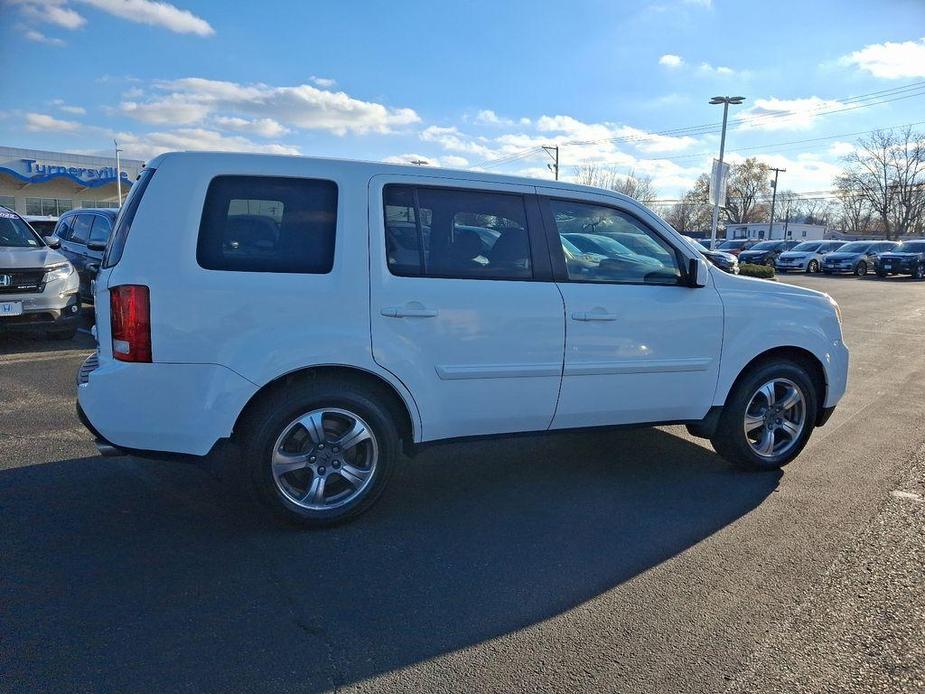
(912, 496)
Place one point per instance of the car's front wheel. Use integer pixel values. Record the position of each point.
(918, 271)
(812, 266)
(768, 416)
(861, 269)
(321, 452)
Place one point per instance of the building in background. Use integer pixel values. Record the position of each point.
(35, 182)
(783, 231)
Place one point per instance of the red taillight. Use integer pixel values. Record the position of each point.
(131, 322)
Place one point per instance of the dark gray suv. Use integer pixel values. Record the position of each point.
(83, 234)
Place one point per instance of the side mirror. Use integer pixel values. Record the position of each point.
(96, 245)
(696, 273)
(53, 241)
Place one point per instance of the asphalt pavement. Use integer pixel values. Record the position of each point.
(630, 561)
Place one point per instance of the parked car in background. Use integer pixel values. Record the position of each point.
(858, 257)
(43, 224)
(735, 246)
(38, 286)
(724, 261)
(83, 234)
(766, 252)
(908, 258)
(202, 338)
(806, 256)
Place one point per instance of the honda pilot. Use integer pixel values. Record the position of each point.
(325, 316)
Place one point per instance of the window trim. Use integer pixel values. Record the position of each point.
(557, 258)
(540, 266)
(302, 179)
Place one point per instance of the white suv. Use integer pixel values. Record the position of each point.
(324, 315)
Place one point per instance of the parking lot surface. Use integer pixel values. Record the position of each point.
(630, 560)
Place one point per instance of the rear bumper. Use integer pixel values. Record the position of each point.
(164, 408)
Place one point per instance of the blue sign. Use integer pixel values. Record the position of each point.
(34, 171)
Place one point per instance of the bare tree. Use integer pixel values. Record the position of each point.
(887, 170)
(855, 209)
(633, 184)
(747, 191)
(692, 212)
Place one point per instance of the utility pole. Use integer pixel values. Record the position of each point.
(118, 173)
(725, 101)
(553, 152)
(777, 172)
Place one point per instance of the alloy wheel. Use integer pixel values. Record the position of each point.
(325, 459)
(861, 269)
(813, 266)
(775, 418)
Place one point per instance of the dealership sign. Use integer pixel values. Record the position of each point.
(37, 171)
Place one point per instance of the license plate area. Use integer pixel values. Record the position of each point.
(10, 308)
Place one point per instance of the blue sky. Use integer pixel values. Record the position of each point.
(464, 84)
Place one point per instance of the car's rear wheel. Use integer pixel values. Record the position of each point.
(812, 266)
(919, 271)
(320, 453)
(860, 269)
(768, 417)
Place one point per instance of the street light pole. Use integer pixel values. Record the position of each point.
(118, 173)
(725, 101)
(777, 172)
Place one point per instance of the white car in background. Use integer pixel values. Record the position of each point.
(807, 256)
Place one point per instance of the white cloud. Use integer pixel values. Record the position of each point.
(160, 14)
(147, 145)
(50, 12)
(323, 82)
(265, 127)
(39, 37)
(721, 70)
(785, 114)
(840, 149)
(671, 60)
(150, 12)
(890, 60)
(42, 122)
(61, 106)
(192, 100)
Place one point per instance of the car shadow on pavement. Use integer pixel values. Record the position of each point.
(30, 340)
(122, 574)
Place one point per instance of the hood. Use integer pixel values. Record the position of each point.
(796, 254)
(894, 254)
(752, 251)
(835, 255)
(722, 255)
(23, 258)
(753, 284)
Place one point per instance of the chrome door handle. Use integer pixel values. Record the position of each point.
(408, 312)
(597, 314)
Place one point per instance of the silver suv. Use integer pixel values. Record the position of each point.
(38, 286)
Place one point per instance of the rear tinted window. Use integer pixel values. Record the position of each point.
(102, 227)
(268, 224)
(126, 216)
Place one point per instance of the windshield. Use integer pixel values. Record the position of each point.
(15, 233)
(806, 247)
(855, 247)
(733, 244)
(765, 246)
(909, 247)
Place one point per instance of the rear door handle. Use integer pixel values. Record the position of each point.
(596, 314)
(408, 312)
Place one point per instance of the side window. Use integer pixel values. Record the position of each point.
(102, 227)
(64, 228)
(81, 231)
(268, 224)
(465, 234)
(601, 244)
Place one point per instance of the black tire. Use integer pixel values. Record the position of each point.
(267, 421)
(861, 268)
(812, 266)
(730, 440)
(61, 334)
(918, 272)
